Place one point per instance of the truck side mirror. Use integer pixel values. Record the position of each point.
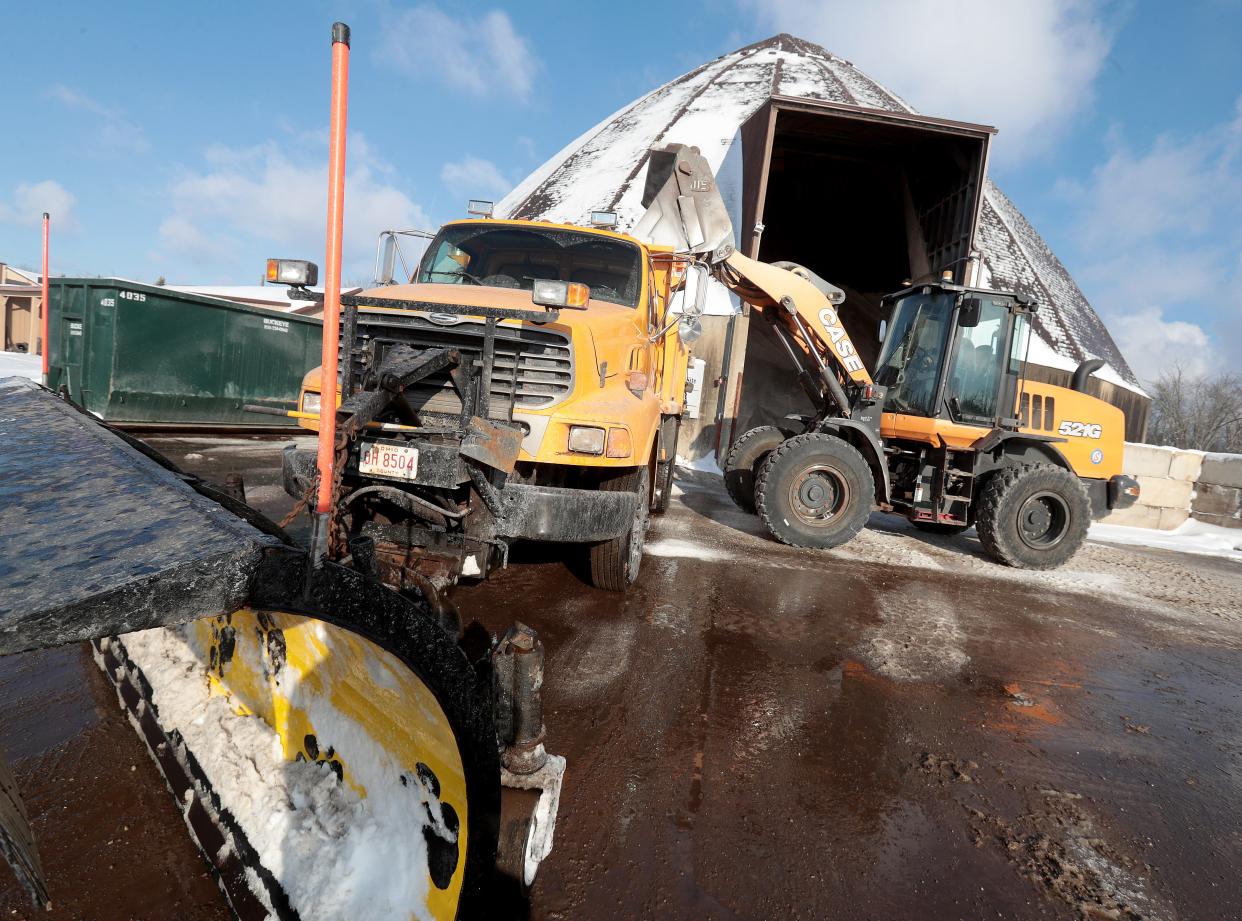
(689, 329)
(969, 309)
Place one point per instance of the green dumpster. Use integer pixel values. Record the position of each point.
(142, 354)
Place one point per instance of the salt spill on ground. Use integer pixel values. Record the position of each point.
(705, 464)
(1189, 537)
(919, 638)
(19, 364)
(337, 855)
(673, 547)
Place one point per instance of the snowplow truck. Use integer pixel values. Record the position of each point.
(948, 431)
(525, 383)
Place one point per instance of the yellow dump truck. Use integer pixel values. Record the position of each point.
(526, 382)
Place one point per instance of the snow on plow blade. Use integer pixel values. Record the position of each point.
(333, 751)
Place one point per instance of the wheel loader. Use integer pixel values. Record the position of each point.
(336, 744)
(948, 431)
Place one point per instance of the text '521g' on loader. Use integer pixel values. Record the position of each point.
(948, 431)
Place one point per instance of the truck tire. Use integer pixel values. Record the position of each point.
(662, 491)
(815, 490)
(614, 563)
(1033, 516)
(743, 461)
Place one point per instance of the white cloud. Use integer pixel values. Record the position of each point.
(482, 55)
(31, 199)
(475, 177)
(246, 204)
(1025, 66)
(111, 129)
(1159, 244)
(1153, 345)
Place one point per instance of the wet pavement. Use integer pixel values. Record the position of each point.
(897, 729)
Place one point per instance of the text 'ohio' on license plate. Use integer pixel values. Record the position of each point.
(398, 461)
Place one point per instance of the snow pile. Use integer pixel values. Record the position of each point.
(1189, 537)
(335, 853)
(20, 364)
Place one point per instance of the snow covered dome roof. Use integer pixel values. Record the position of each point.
(604, 170)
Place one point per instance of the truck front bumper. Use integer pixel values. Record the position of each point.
(547, 513)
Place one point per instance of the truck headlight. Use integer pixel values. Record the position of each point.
(586, 439)
(310, 402)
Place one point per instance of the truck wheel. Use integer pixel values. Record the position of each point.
(940, 527)
(662, 492)
(1033, 516)
(743, 461)
(814, 490)
(614, 563)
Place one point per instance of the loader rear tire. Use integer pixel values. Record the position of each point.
(1033, 516)
(614, 563)
(815, 490)
(742, 463)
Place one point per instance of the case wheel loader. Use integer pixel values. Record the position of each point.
(948, 432)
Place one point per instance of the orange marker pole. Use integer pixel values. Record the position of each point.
(45, 304)
(332, 289)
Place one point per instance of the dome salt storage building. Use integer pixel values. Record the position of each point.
(821, 165)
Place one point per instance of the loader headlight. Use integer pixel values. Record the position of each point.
(586, 439)
(292, 272)
(310, 402)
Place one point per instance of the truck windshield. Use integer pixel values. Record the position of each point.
(504, 256)
(909, 364)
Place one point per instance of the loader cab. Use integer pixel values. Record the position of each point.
(951, 362)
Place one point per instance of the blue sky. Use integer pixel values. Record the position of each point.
(188, 140)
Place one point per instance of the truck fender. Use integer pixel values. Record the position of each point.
(865, 440)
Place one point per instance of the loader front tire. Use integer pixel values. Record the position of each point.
(1033, 516)
(742, 463)
(815, 490)
(614, 563)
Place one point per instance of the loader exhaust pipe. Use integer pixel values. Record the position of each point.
(326, 459)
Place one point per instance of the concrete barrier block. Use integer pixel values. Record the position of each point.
(1171, 518)
(1186, 466)
(1221, 470)
(1136, 516)
(1162, 492)
(1147, 460)
(1222, 501)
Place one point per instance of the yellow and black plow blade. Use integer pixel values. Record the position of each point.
(332, 749)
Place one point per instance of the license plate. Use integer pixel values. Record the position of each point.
(399, 462)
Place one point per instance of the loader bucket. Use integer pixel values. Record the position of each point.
(684, 207)
(236, 658)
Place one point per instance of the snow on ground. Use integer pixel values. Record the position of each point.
(336, 854)
(1189, 537)
(20, 364)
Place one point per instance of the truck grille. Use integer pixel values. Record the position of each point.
(533, 368)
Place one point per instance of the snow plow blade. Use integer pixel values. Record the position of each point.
(332, 749)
